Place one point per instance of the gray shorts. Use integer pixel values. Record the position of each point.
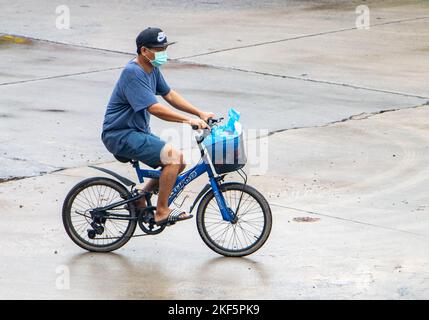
(145, 147)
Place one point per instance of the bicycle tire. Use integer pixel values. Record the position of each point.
(207, 238)
(67, 208)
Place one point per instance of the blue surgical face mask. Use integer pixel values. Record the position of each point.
(160, 58)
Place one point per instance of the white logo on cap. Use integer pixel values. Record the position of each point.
(161, 36)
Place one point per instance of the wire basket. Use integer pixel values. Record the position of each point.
(227, 153)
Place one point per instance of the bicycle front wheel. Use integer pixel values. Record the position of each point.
(252, 226)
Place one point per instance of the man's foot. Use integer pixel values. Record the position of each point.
(170, 216)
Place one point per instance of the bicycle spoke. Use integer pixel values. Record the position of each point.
(97, 196)
(245, 232)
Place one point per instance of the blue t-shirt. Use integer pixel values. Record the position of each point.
(127, 109)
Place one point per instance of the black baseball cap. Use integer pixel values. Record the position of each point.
(152, 38)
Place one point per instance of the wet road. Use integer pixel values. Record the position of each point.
(346, 114)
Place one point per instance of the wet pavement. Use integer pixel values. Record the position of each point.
(345, 111)
(68, 96)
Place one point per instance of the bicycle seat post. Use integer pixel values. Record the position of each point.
(138, 186)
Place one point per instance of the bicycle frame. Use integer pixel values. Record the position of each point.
(203, 166)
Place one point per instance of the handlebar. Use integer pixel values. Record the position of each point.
(211, 122)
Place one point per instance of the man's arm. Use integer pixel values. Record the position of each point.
(178, 102)
(167, 114)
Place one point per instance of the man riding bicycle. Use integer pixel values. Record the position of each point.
(126, 131)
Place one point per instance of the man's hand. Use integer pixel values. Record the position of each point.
(176, 100)
(206, 115)
(201, 124)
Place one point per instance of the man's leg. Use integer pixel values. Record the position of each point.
(173, 163)
(151, 185)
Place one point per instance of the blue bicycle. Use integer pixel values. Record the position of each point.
(233, 219)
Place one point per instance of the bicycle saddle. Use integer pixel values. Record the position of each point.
(122, 159)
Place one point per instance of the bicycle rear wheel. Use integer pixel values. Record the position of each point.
(80, 225)
(248, 233)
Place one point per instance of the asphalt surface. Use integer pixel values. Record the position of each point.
(343, 111)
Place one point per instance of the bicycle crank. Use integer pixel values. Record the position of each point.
(147, 221)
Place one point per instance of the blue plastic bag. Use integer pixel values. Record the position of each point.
(234, 116)
(225, 144)
(228, 131)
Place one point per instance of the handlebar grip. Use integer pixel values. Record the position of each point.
(212, 121)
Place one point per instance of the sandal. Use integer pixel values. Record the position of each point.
(173, 217)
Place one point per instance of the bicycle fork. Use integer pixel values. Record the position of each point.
(226, 211)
